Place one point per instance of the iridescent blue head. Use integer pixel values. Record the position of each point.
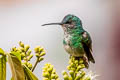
(69, 22)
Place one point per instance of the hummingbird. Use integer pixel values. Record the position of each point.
(77, 41)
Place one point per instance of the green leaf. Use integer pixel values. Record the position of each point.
(1, 51)
(16, 67)
(29, 74)
(3, 68)
(17, 54)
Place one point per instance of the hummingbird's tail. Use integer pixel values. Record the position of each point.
(88, 52)
(90, 57)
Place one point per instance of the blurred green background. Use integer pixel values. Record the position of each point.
(21, 20)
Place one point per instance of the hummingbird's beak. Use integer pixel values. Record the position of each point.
(52, 24)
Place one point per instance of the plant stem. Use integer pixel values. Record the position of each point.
(35, 64)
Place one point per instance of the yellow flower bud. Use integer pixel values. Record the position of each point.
(54, 71)
(73, 69)
(71, 73)
(66, 77)
(70, 78)
(45, 79)
(28, 63)
(29, 52)
(81, 61)
(50, 69)
(37, 49)
(27, 47)
(24, 58)
(40, 59)
(64, 72)
(46, 74)
(14, 49)
(82, 66)
(78, 77)
(56, 76)
(37, 55)
(68, 67)
(25, 63)
(31, 55)
(21, 44)
(53, 76)
(22, 54)
(42, 54)
(83, 73)
(76, 61)
(41, 49)
(30, 66)
(20, 49)
(72, 65)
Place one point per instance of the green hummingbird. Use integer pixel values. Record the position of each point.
(77, 42)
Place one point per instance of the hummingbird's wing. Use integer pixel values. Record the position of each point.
(87, 45)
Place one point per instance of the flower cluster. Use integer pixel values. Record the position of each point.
(39, 53)
(26, 54)
(49, 73)
(76, 71)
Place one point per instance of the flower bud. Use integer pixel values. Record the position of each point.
(29, 52)
(20, 49)
(81, 61)
(41, 49)
(73, 69)
(53, 71)
(45, 79)
(24, 58)
(56, 76)
(71, 73)
(66, 77)
(25, 63)
(37, 49)
(28, 63)
(27, 47)
(64, 72)
(37, 55)
(76, 61)
(31, 55)
(50, 69)
(72, 65)
(42, 54)
(30, 66)
(22, 54)
(46, 74)
(53, 76)
(78, 77)
(14, 49)
(40, 59)
(69, 67)
(82, 66)
(21, 44)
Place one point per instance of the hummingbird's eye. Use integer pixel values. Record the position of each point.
(69, 22)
